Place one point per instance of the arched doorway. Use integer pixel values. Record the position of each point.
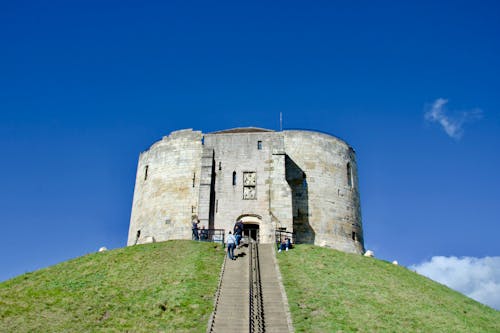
(251, 225)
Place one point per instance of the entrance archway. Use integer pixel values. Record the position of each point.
(251, 230)
(251, 225)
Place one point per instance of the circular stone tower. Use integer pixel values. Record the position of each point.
(303, 182)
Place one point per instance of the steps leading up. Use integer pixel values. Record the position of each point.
(275, 315)
(232, 308)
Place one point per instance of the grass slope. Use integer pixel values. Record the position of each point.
(169, 287)
(162, 287)
(331, 291)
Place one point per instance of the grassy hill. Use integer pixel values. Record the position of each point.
(162, 287)
(169, 287)
(331, 291)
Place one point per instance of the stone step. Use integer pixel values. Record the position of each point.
(233, 306)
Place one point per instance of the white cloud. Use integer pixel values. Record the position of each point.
(478, 278)
(452, 124)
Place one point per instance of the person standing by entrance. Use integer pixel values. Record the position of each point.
(231, 244)
(238, 232)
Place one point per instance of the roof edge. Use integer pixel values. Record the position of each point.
(237, 130)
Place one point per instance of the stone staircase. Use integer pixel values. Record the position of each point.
(232, 305)
(231, 309)
(275, 312)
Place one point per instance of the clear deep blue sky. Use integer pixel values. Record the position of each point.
(85, 86)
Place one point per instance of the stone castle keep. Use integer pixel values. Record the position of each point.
(300, 181)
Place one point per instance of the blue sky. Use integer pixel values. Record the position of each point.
(85, 86)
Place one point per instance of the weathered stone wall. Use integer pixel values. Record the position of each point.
(163, 201)
(326, 205)
(305, 182)
(239, 153)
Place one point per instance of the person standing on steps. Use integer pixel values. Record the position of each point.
(231, 244)
(238, 232)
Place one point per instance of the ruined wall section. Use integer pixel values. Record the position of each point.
(241, 153)
(332, 215)
(167, 188)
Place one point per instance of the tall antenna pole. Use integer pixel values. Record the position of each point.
(281, 121)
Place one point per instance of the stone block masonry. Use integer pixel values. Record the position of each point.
(299, 181)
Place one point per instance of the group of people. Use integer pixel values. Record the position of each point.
(285, 244)
(199, 234)
(234, 240)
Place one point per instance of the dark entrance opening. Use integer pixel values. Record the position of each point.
(251, 230)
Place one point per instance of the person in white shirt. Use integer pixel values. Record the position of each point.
(231, 244)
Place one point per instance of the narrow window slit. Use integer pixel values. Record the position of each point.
(349, 175)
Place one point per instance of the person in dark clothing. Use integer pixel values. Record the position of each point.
(238, 232)
(283, 246)
(195, 229)
(203, 233)
(240, 225)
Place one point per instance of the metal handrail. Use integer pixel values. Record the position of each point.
(250, 289)
(211, 320)
(256, 306)
(209, 235)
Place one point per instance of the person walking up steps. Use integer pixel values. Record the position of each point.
(231, 244)
(238, 232)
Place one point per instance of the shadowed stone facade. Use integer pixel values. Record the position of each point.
(300, 181)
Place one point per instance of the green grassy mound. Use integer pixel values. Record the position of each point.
(169, 287)
(162, 287)
(331, 291)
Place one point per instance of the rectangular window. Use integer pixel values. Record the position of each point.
(146, 172)
(349, 175)
(259, 145)
(249, 186)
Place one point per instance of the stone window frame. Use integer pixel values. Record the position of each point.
(349, 175)
(254, 186)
